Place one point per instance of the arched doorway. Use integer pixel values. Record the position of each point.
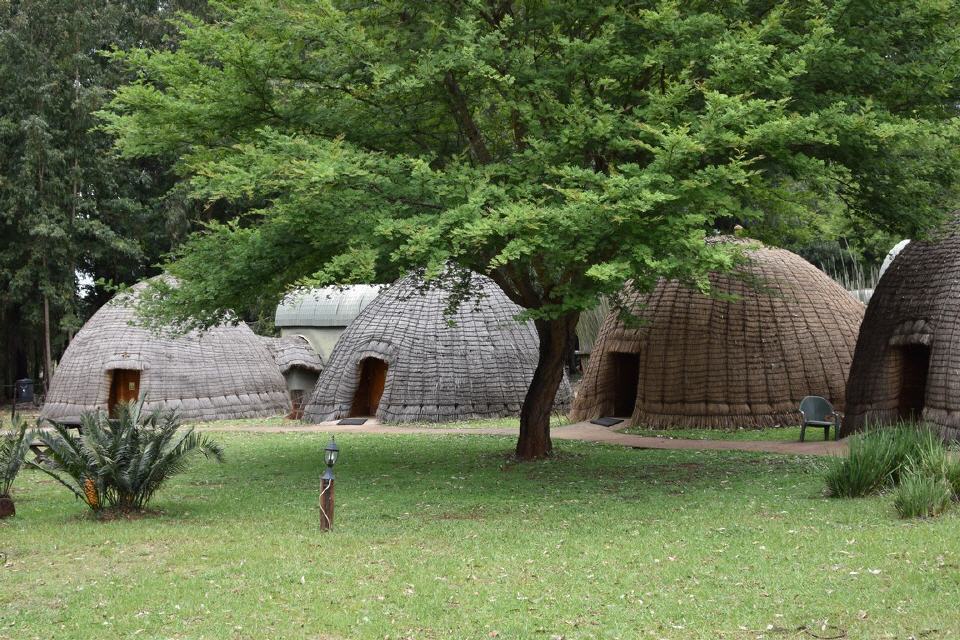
(914, 367)
(626, 379)
(300, 383)
(372, 380)
(124, 387)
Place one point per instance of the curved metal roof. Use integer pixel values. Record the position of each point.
(326, 306)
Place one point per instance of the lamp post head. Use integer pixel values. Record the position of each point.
(331, 453)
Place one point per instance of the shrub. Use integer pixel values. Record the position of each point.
(121, 463)
(921, 495)
(876, 460)
(14, 445)
(952, 475)
(936, 461)
(930, 481)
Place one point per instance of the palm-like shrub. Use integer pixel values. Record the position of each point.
(121, 463)
(14, 445)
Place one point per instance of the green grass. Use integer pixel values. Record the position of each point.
(556, 420)
(445, 537)
(788, 434)
(276, 421)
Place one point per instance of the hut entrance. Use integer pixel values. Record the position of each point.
(626, 379)
(296, 404)
(373, 378)
(300, 382)
(124, 387)
(914, 365)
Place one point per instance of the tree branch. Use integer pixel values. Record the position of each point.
(461, 111)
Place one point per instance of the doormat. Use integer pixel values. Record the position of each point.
(352, 421)
(607, 422)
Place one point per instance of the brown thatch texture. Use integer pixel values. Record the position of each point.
(293, 351)
(709, 363)
(478, 367)
(909, 343)
(226, 372)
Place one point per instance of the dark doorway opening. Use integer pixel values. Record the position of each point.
(626, 379)
(373, 378)
(124, 387)
(914, 367)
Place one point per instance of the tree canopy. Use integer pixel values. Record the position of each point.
(563, 148)
(71, 211)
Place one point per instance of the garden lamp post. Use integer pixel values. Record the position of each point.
(330, 455)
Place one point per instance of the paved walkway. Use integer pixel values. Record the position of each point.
(584, 431)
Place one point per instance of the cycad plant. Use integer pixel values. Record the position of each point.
(121, 463)
(14, 445)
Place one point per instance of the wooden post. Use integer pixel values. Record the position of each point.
(326, 501)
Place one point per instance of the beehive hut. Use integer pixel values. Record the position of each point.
(907, 361)
(403, 360)
(321, 315)
(702, 362)
(300, 366)
(225, 372)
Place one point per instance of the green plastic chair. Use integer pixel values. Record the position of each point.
(818, 412)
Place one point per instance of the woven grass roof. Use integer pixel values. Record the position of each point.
(478, 367)
(910, 337)
(293, 351)
(704, 362)
(226, 372)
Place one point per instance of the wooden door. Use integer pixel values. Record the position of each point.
(373, 379)
(124, 387)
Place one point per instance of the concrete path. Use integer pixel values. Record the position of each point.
(584, 431)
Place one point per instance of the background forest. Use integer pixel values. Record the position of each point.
(73, 215)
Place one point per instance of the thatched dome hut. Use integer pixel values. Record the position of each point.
(225, 372)
(907, 361)
(701, 362)
(300, 366)
(404, 360)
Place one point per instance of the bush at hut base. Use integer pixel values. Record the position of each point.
(14, 444)
(876, 460)
(921, 495)
(929, 483)
(909, 459)
(936, 461)
(119, 464)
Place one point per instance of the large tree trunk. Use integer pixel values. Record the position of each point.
(555, 336)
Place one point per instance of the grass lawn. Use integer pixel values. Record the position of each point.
(556, 420)
(787, 434)
(444, 537)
